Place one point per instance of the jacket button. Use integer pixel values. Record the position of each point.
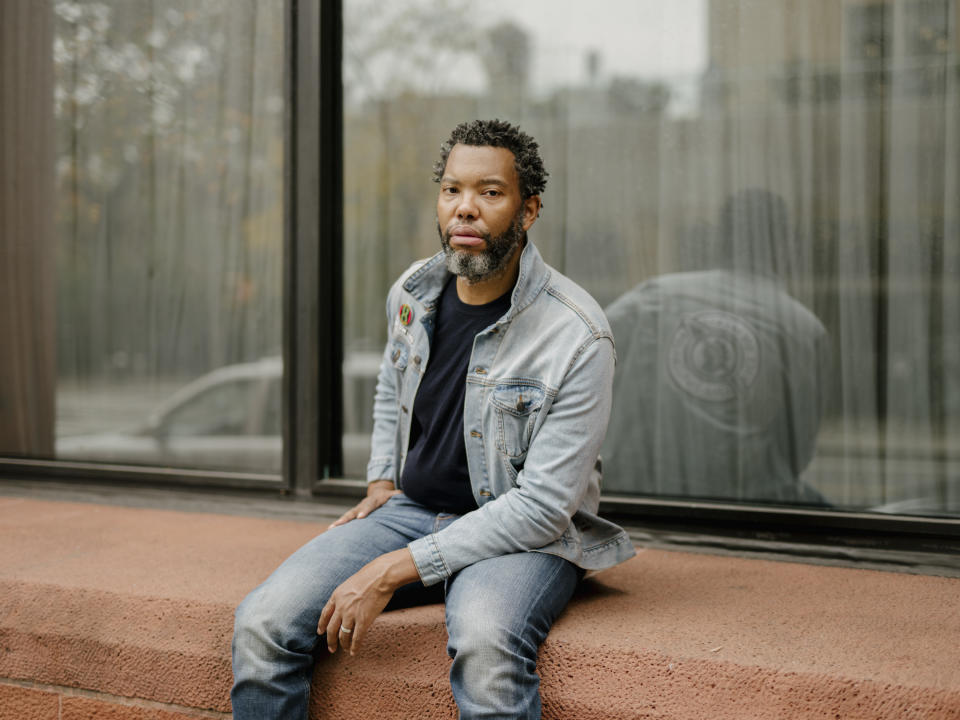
(484, 493)
(480, 371)
(404, 408)
(474, 433)
(520, 404)
(416, 359)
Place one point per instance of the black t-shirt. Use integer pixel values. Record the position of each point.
(435, 473)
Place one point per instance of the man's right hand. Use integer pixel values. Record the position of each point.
(378, 492)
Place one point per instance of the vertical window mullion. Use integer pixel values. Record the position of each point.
(313, 345)
(330, 205)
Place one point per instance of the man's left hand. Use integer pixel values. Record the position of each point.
(355, 604)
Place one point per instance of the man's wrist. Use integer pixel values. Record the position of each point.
(379, 486)
(398, 569)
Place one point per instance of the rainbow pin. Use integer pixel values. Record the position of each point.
(406, 314)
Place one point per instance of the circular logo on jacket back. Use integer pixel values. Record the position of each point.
(406, 314)
(714, 355)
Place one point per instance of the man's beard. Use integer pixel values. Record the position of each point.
(488, 263)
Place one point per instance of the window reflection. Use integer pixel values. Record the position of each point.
(169, 124)
(651, 115)
(223, 410)
(721, 375)
(146, 192)
(224, 419)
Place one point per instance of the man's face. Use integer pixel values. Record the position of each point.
(480, 214)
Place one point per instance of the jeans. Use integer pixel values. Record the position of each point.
(498, 612)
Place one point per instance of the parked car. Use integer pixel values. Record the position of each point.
(229, 419)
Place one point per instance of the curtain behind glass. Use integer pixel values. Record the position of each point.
(763, 196)
(167, 214)
(921, 442)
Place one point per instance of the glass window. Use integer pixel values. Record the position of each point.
(273, 411)
(762, 195)
(224, 409)
(866, 30)
(927, 27)
(159, 212)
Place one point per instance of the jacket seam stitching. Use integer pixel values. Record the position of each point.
(594, 329)
(617, 540)
(548, 390)
(444, 570)
(581, 350)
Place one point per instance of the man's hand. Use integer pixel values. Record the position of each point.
(378, 492)
(356, 603)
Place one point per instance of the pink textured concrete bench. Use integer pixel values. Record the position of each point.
(126, 614)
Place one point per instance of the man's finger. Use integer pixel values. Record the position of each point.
(361, 509)
(345, 518)
(346, 636)
(333, 633)
(325, 615)
(359, 630)
(366, 507)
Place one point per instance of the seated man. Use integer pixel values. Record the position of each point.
(492, 401)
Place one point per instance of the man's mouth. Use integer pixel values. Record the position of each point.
(465, 236)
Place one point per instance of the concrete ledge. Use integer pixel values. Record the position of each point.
(109, 612)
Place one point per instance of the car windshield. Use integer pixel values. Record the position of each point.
(220, 410)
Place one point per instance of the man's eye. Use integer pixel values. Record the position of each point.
(450, 190)
(492, 193)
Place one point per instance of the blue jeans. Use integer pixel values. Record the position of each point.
(498, 611)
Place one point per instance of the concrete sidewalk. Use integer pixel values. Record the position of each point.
(113, 612)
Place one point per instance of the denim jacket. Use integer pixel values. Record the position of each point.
(537, 403)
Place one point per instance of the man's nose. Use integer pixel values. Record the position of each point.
(467, 208)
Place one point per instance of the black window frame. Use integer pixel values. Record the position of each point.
(312, 402)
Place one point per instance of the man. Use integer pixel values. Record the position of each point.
(492, 401)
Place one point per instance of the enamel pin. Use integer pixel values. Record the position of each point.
(406, 314)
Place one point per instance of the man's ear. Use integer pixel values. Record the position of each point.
(531, 211)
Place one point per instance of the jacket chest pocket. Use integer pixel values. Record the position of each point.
(516, 408)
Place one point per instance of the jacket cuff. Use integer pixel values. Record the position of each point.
(380, 468)
(429, 561)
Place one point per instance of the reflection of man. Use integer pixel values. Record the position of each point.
(720, 379)
(491, 404)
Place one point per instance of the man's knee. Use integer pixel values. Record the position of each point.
(494, 661)
(273, 619)
(507, 605)
(252, 620)
(480, 629)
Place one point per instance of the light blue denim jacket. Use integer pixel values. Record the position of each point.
(537, 403)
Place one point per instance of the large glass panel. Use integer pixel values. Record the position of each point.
(161, 232)
(763, 196)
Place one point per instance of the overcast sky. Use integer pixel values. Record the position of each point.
(637, 38)
(645, 39)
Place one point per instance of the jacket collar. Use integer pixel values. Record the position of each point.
(426, 282)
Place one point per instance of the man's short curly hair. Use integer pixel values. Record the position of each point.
(499, 133)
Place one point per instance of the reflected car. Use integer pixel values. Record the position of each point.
(229, 419)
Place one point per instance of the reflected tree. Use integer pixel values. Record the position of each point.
(397, 59)
(169, 166)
